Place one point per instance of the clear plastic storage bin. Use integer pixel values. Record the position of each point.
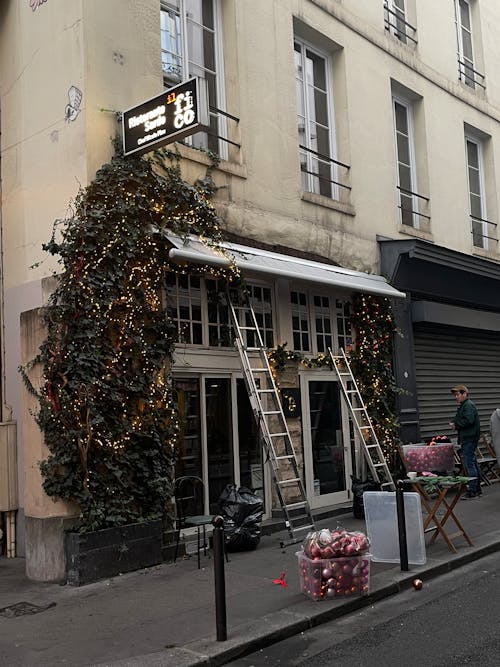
(346, 576)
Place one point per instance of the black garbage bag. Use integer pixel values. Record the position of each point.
(242, 512)
(358, 488)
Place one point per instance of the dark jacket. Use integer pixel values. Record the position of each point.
(467, 422)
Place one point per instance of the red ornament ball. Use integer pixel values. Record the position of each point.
(417, 584)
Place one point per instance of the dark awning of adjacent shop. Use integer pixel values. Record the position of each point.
(256, 260)
(432, 272)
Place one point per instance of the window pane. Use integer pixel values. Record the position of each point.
(401, 118)
(403, 148)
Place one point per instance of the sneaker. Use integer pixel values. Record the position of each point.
(469, 495)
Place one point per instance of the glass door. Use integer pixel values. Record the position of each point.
(327, 466)
(219, 438)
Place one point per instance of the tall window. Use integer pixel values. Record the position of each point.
(467, 72)
(403, 126)
(300, 321)
(315, 128)
(191, 46)
(477, 202)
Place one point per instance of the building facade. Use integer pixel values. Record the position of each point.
(354, 140)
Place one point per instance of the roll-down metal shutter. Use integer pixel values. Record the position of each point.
(445, 356)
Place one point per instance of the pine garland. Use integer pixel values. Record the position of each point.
(371, 363)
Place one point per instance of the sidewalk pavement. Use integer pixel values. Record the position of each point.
(165, 616)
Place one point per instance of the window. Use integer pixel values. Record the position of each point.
(260, 298)
(322, 316)
(199, 309)
(344, 326)
(184, 307)
(396, 21)
(331, 323)
(403, 126)
(465, 53)
(300, 321)
(315, 128)
(191, 47)
(475, 178)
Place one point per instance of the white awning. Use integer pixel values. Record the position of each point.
(255, 260)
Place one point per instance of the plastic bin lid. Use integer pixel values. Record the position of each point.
(382, 527)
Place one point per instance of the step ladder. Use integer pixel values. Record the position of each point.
(361, 420)
(268, 412)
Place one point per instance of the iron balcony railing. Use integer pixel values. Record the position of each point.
(480, 239)
(326, 159)
(470, 76)
(398, 26)
(407, 209)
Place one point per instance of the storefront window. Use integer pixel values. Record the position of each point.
(188, 461)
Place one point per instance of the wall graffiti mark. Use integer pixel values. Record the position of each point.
(73, 107)
(35, 4)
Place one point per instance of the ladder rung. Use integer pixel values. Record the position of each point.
(271, 412)
(293, 480)
(258, 370)
(266, 391)
(285, 456)
(292, 506)
(277, 435)
(301, 528)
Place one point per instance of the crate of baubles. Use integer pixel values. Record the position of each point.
(334, 564)
(435, 455)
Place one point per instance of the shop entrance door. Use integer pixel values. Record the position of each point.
(326, 438)
(218, 435)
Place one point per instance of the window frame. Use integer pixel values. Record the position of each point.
(310, 181)
(208, 326)
(463, 60)
(482, 191)
(337, 310)
(411, 165)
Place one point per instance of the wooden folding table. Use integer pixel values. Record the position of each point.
(440, 504)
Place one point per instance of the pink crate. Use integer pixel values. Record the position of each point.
(347, 576)
(427, 458)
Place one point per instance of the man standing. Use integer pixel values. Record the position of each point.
(466, 423)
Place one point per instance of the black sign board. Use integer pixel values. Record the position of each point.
(172, 115)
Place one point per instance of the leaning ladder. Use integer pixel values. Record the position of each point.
(362, 422)
(268, 412)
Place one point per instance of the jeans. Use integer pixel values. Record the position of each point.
(471, 465)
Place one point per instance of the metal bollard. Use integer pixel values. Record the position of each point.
(220, 582)
(400, 508)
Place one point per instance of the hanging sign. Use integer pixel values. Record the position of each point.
(170, 116)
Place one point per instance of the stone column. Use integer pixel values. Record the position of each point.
(45, 518)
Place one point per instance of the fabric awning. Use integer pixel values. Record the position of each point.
(255, 260)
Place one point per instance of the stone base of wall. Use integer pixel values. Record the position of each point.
(112, 551)
(45, 559)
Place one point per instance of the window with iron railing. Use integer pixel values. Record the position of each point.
(467, 73)
(191, 46)
(396, 24)
(412, 205)
(321, 172)
(483, 231)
